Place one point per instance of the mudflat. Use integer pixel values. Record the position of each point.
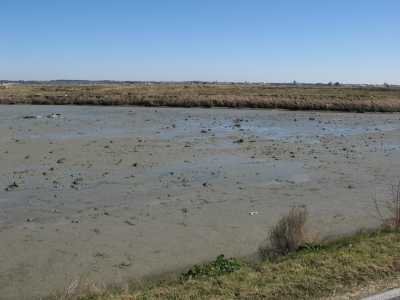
(107, 194)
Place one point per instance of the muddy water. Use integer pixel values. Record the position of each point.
(105, 194)
(103, 122)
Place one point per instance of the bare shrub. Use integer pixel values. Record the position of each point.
(389, 210)
(76, 290)
(288, 234)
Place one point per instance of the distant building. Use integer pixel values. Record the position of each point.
(8, 84)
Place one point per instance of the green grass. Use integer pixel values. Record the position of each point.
(315, 271)
(218, 267)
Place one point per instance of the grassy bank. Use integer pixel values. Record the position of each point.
(336, 98)
(313, 272)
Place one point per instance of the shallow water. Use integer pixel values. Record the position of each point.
(173, 123)
(115, 193)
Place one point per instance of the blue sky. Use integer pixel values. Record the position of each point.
(224, 40)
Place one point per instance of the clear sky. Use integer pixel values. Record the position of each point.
(226, 40)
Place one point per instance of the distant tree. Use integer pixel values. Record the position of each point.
(337, 83)
(386, 85)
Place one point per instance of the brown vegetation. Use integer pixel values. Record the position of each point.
(389, 210)
(337, 98)
(288, 235)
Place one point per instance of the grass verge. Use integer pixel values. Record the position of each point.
(314, 271)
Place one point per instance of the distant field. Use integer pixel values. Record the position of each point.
(313, 97)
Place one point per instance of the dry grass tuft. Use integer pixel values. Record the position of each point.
(288, 234)
(389, 210)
